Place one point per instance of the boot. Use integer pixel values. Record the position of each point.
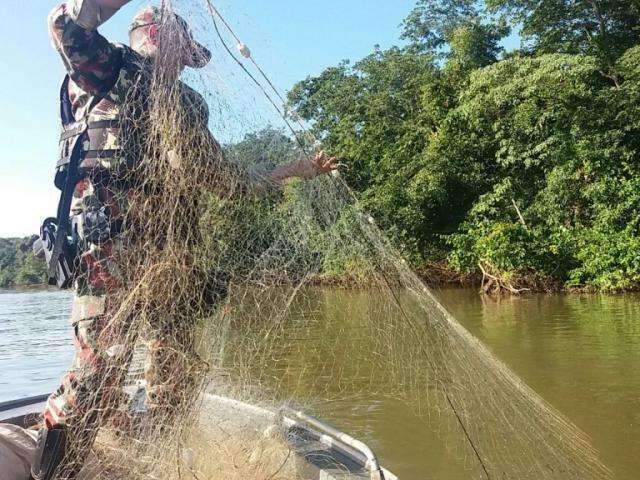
(49, 452)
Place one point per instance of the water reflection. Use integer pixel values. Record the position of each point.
(581, 353)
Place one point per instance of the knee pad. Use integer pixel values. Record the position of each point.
(50, 451)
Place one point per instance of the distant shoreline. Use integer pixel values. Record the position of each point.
(35, 287)
(23, 272)
(433, 275)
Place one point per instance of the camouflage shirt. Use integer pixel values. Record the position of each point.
(93, 63)
(97, 67)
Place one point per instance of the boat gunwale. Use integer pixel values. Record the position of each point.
(22, 410)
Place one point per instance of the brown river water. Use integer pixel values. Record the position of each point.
(581, 353)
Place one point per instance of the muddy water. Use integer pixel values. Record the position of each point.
(582, 354)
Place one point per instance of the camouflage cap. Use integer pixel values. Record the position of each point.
(200, 55)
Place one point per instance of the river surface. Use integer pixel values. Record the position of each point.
(581, 353)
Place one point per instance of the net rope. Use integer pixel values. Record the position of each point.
(217, 270)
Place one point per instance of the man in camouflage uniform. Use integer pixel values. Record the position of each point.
(100, 76)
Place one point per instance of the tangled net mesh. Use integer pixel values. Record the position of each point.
(217, 267)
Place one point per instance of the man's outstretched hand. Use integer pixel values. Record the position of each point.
(320, 164)
(308, 168)
(323, 163)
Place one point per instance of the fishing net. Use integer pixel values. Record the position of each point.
(219, 269)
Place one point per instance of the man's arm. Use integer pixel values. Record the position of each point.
(232, 179)
(90, 59)
(306, 168)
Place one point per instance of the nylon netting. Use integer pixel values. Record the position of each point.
(216, 266)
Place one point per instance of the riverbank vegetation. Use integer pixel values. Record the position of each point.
(518, 169)
(519, 166)
(18, 266)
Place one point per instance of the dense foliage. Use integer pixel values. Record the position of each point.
(244, 231)
(18, 266)
(523, 165)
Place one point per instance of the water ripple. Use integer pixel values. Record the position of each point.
(36, 343)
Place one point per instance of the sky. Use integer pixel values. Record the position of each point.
(292, 39)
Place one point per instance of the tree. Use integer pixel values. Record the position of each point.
(563, 173)
(601, 28)
(263, 149)
(473, 45)
(528, 166)
(377, 115)
(445, 26)
(431, 22)
(18, 265)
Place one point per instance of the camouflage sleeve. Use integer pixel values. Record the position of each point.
(231, 178)
(91, 61)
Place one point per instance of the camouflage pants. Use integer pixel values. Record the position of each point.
(91, 391)
(91, 394)
(97, 368)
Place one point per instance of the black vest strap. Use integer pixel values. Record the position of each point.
(66, 109)
(71, 170)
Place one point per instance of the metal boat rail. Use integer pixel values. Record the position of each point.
(22, 411)
(291, 419)
(298, 425)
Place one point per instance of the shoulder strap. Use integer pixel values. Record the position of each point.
(66, 109)
(66, 195)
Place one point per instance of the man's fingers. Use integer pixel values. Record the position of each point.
(324, 163)
(327, 164)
